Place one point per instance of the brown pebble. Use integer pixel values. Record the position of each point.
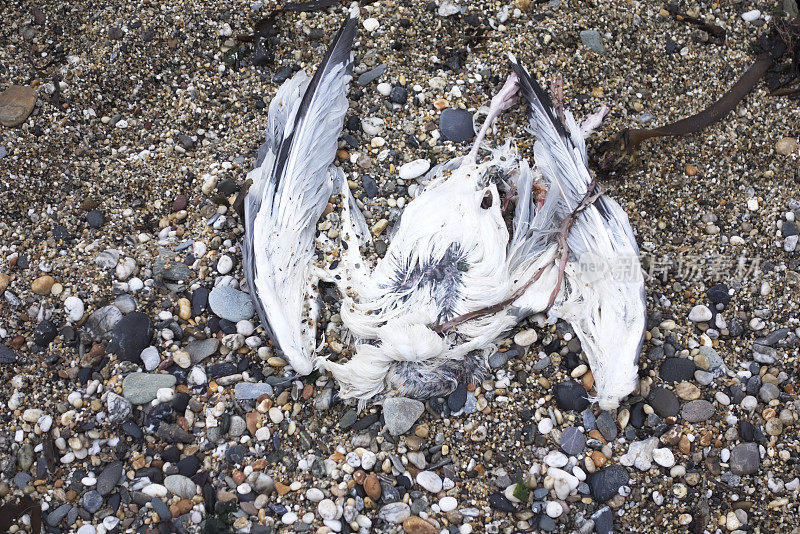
(238, 477)
(4, 281)
(372, 487)
(685, 445)
(359, 476)
(598, 458)
(281, 488)
(180, 202)
(43, 285)
(692, 170)
(251, 419)
(16, 103)
(181, 507)
(417, 525)
(308, 391)
(259, 464)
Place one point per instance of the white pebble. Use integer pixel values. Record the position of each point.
(384, 88)
(414, 169)
(545, 426)
(752, 204)
(225, 264)
(526, 337)
(554, 509)
(664, 457)
(150, 358)
(135, 284)
(289, 518)
(371, 24)
(327, 509)
(700, 314)
(430, 481)
(245, 327)
(447, 504)
(73, 307)
(315, 495)
(556, 459)
(750, 16)
(165, 394)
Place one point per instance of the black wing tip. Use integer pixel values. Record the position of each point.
(534, 92)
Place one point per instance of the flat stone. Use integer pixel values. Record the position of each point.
(745, 459)
(697, 411)
(700, 314)
(180, 485)
(371, 75)
(7, 355)
(607, 425)
(172, 433)
(132, 334)
(664, 402)
(92, 501)
(605, 483)
(252, 390)
(571, 395)
(572, 441)
(400, 414)
(593, 41)
(200, 349)
(16, 104)
(231, 304)
(108, 478)
(456, 125)
(677, 369)
(395, 512)
(140, 388)
(498, 501)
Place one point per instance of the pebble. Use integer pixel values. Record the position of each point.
(525, 338)
(231, 304)
(664, 457)
(150, 358)
(786, 145)
(224, 264)
(700, 314)
(593, 41)
(677, 369)
(371, 24)
(16, 104)
(750, 16)
(141, 388)
(131, 335)
(456, 125)
(414, 169)
(605, 483)
(745, 459)
(697, 411)
(73, 308)
(395, 513)
(571, 395)
(554, 509)
(400, 414)
(429, 481)
(180, 485)
(572, 441)
(447, 504)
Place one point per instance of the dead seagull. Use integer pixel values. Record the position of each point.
(454, 278)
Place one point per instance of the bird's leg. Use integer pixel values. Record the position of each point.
(507, 200)
(504, 99)
(592, 194)
(593, 121)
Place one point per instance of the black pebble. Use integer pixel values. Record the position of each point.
(457, 399)
(571, 396)
(398, 94)
(44, 333)
(95, 218)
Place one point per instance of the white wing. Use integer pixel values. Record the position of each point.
(603, 298)
(288, 195)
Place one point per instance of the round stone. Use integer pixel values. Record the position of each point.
(327, 509)
(16, 103)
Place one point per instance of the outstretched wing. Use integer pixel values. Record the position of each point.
(289, 191)
(603, 298)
